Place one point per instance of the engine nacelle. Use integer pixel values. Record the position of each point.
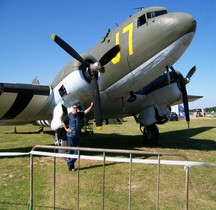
(158, 108)
(72, 84)
(58, 113)
(147, 116)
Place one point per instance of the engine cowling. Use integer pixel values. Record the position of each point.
(159, 101)
(58, 113)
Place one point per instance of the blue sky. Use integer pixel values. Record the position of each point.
(27, 50)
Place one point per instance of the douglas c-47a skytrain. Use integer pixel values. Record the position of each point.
(128, 73)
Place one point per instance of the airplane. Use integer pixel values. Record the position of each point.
(128, 73)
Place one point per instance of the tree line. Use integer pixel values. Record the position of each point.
(210, 109)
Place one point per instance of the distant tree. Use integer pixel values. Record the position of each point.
(210, 109)
(192, 110)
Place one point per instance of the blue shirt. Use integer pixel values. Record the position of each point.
(74, 123)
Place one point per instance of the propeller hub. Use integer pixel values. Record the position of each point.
(187, 80)
(95, 67)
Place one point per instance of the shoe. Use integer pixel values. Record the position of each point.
(70, 167)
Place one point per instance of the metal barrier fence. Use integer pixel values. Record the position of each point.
(130, 160)
(187, 164)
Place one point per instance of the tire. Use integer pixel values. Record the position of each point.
(151, 135)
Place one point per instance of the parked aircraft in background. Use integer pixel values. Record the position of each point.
(129, 72)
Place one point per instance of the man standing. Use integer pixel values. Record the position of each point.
(72, 127)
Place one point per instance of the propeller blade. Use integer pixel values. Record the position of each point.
(68, 49)
(108, 56)
(185, 102)
(97, 103)
(174, 71)
(183, 82)
(191, 72)
(185, 96)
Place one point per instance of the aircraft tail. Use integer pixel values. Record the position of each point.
(35, 81)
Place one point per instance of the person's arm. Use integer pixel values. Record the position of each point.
(64, 122)
(65, 127)
(89, 108)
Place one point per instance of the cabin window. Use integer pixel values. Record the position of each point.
(154, 14)
(62, 91)
(141, 21)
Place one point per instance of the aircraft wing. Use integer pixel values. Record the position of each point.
(191, 98)
(22, 101)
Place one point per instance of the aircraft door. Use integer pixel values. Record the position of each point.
(137, 41)
(132, 41)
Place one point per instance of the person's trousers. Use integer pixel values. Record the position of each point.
(72, 142)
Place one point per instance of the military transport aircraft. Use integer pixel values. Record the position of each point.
(128, 73)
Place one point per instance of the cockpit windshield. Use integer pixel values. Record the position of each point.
(154, 14)
(150, 13)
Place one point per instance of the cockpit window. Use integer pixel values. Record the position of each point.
(141, 21)
(154, 14)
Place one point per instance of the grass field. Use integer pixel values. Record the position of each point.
(198, 144)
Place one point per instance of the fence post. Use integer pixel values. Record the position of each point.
(186, 186)
(78, 180)
(104, 162)
(54, 183)
(158, 183)
(130, 178)
(31, 183)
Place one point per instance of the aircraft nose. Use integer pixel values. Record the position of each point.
(185, 23)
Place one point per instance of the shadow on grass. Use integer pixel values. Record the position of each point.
(178, 139)
(95, 166)
(21, 149)
(29, 132)
(183, 139)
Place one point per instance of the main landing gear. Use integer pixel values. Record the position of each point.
(150, 134)
(60, 139)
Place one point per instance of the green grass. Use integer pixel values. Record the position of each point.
(199, 144)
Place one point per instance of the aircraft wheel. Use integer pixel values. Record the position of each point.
(151, 135)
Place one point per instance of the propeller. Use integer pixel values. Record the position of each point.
(68, 49)
(93, 70)
(183, 82)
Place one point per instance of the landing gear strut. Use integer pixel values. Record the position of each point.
(60, 139)
(150, 134)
